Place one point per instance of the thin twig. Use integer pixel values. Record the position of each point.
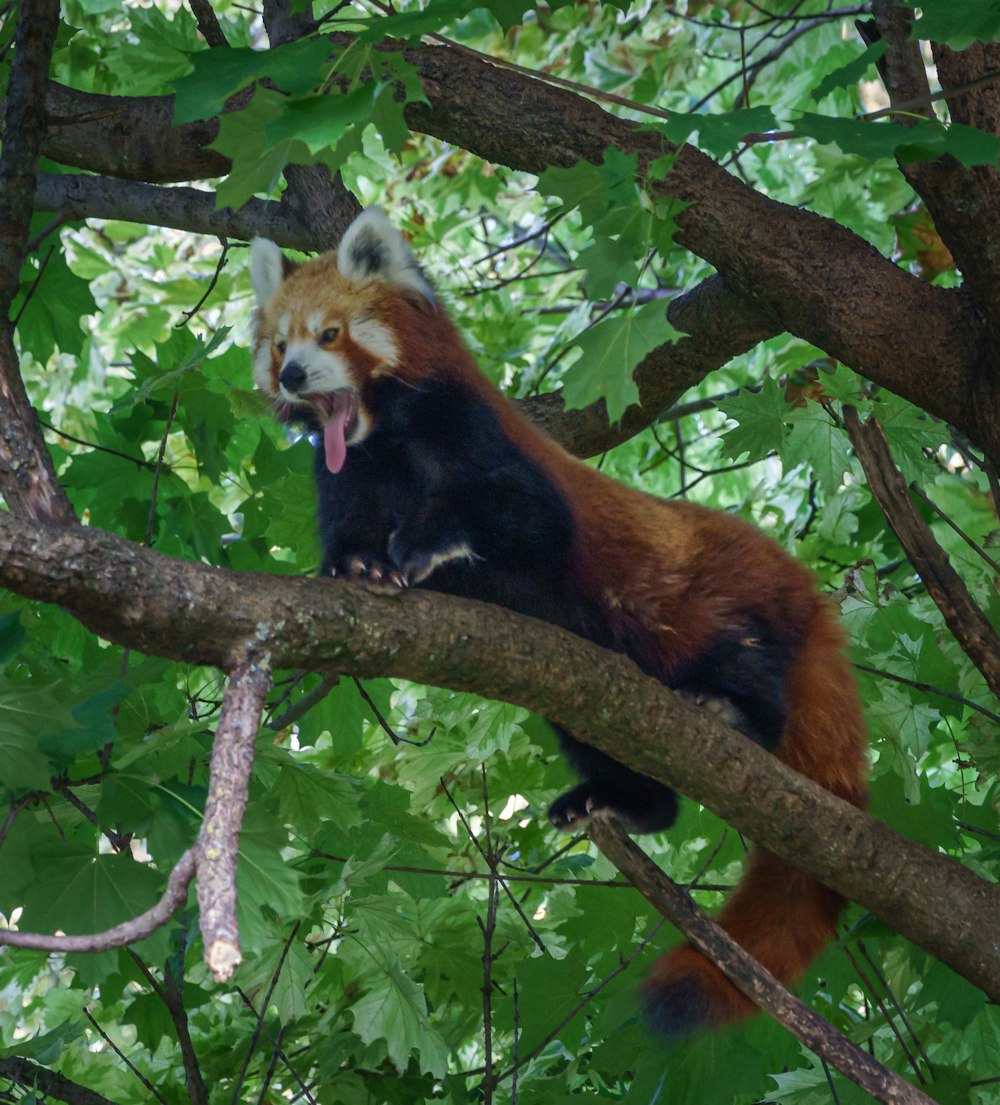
(503, 882)
(303, 1088)
(488, 928)
(304, 704)
(124, 1058)
(584, 1001)
(887, 1017)
(126, 933)
(976, 548)
(927, 688)
(900, 1012)
(259, 1027)
(161, 452)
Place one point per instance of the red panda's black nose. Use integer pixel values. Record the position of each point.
(293, 376)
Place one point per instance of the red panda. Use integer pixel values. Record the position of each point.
(428, 476)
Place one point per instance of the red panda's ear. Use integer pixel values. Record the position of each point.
(372, 248)
(268, 268)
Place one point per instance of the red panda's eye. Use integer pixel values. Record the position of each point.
(329, 336)
(281, 347)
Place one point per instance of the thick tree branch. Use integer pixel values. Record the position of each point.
(191, 612)
(27, 479)
(129, 137)
(747, 974)
(962, 615)
(77, 196)
(961, 201)
(24, 126)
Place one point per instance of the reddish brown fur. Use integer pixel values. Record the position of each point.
(678, 574)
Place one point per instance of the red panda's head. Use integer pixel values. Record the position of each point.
(327, 328)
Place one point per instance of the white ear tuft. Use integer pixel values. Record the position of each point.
(267, 269)
(373, 247)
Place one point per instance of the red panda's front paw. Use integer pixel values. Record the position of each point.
(371, 574)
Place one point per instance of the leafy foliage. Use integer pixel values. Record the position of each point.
(364, 889)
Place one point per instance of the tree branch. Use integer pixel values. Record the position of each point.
(962, 615)
(718, 325)
(27, 478)
(208, 22)
(191, 612)
(23, 1072)
(24, 128)
(746, 973)
(77, 196)
(961, 201)
(219, 839)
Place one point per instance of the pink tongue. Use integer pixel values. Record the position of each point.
(334, 442)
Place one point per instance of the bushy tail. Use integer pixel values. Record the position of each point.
(780, 915)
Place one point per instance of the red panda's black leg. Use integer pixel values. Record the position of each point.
(643, 804)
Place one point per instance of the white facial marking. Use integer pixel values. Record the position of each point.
(315, 321)
(262, 367)
(282, 329)
(324, 371)
(376, 338)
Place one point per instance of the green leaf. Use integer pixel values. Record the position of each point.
(394, 1009)
(220, 73)
(84, 892)
(50, 305)
(265, 881)
(321, 121)
(27, 714)
(925, 140)
(595, 189)
(611, 350)
(721, 133)
(307, 797)
(763, 420)
(414, 23)
(12, 636)
(850, 74)
(257, 162)
(870, 140)
(815, 440)
(956, 23)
